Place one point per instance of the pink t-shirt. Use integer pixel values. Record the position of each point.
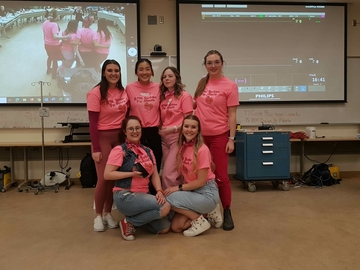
(173, 109)
(86, 36)
(112, 112)
(144, 102)
(50, 29)
(203, 162)
(212, 105)
(66, 45)
(138, 184)
(101, 39)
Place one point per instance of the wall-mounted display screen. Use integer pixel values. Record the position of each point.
(63, 44)
(274, 52)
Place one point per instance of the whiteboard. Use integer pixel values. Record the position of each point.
(28, 117)
(247, 114)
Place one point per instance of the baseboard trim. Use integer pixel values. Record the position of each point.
(342, 175)
(231, 177)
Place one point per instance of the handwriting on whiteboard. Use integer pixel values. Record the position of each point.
(32, 119)
(270, 116)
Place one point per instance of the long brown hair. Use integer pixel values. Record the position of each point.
(178, 87)
(199, 140)
(102, 28)
(203, 81)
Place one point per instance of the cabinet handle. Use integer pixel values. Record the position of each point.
(268, 152)
(267, 144)
(267, 138)
(268, 163)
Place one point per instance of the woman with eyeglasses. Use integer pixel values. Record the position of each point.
(144, 98)
(216, 99)
(175, 104)
(131, 165)
(107, 105)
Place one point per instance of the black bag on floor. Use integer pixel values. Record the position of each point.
(88, 176)
(319, 175)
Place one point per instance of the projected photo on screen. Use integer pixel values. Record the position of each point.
(274, 52)
(63, 44)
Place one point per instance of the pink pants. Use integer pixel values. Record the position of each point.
(103, 190)
(217, 146)
(170, 149)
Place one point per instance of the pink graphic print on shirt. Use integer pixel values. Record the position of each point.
(120, 103)
(168, 107)
(186, 162)
(210, 95)
(147, 101)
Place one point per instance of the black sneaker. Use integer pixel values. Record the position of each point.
(228, 224)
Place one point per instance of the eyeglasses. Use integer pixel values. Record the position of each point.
(131, 129)
(215, 63)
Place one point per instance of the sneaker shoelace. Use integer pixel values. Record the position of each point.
(211, 220)
(193, 225)
(129, 229)
(214, 217)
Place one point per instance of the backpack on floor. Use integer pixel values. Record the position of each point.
(319, 175)
(88, 177)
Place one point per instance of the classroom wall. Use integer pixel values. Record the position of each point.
(165, 35)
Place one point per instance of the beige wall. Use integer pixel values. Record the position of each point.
(163, 34)
(353, 32)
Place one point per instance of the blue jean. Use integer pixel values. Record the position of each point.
(201, 200)
(141, 209)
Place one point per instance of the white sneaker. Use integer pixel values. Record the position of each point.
(111, 223)
(215, 217)
(98, 224)
(198, 226)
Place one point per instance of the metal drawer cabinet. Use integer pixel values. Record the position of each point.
(263, 156)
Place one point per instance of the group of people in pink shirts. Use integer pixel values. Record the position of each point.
(86, 46)
(146, 129)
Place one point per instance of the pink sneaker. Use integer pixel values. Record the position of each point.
(126, 230)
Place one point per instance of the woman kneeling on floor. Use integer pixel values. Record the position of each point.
(198, 194)
(131, 165)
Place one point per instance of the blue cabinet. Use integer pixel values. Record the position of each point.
(263, 155)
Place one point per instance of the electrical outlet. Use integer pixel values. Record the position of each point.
(44, 112)
(161, 19)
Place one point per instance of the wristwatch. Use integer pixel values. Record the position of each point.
(232, 138)
(180, 187)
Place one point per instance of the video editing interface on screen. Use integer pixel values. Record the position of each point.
(95, 31)
(277, 53)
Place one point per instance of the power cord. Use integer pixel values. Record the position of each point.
(332, 153)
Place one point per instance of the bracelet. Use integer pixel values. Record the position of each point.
(159, 190)
(175, 129)
(232, 138)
